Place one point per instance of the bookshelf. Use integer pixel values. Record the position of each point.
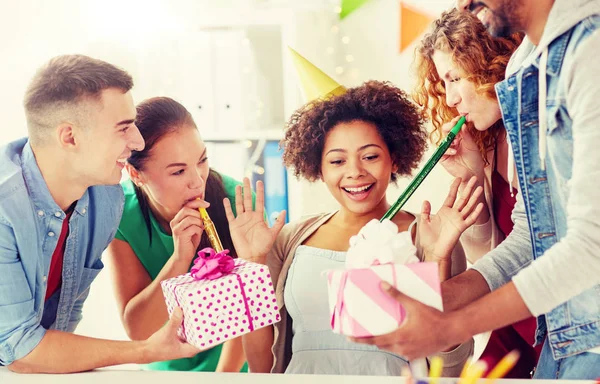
(249, 82)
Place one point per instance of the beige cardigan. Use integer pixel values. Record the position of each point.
(279, 261)
(479, 239)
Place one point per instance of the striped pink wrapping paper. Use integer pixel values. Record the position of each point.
(360, 308)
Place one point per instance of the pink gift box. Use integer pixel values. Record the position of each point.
(360, 308)
(218, 310)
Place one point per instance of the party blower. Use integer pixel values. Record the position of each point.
(437, 155)
(211, 231)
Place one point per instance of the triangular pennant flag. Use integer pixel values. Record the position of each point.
(412, 24)
(349, 6)
(315, 83)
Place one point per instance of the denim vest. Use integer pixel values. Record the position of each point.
(574, 326)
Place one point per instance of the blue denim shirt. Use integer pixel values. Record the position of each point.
(562, 226)
(30, 224)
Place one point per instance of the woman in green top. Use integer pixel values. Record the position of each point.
(161, 230)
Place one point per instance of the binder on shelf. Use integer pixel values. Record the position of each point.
(228, 84)
(275, 179)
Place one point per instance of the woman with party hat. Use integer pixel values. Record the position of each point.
(356, 142)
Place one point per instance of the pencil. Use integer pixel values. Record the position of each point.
(474, 372)
(504, 365)
(465, 368)
(435, 369)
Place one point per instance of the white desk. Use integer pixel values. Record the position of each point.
(108, 376)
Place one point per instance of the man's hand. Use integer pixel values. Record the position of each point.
(425, 330)
(62, 352)
(165, 344)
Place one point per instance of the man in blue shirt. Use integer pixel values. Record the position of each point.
(60, 205)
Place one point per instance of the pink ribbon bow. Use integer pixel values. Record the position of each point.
(213, 266)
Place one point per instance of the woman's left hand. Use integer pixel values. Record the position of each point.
(250, 233)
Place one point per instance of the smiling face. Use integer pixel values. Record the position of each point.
(482, 111)
(500, 17)
(175, 171)
(108, 142)
(356, 166)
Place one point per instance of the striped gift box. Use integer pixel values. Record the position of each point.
(360, 308)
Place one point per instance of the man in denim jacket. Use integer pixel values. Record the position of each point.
(60, 204)
(549, 266)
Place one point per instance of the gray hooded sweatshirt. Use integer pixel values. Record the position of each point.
(571, 266)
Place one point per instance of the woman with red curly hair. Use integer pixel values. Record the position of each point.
(458, 64)
(357, 143)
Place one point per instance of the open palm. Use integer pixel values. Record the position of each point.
(250, 233)
(439, 233)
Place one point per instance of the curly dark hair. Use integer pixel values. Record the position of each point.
(397, 119)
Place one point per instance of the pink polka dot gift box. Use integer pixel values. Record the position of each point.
(221, 298)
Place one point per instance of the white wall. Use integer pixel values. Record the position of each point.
(143, 36)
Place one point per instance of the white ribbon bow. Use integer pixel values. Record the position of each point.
(380, 243)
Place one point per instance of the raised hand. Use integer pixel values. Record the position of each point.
(187, 228)
(463, 158)
(439, 233)
(250, 233)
